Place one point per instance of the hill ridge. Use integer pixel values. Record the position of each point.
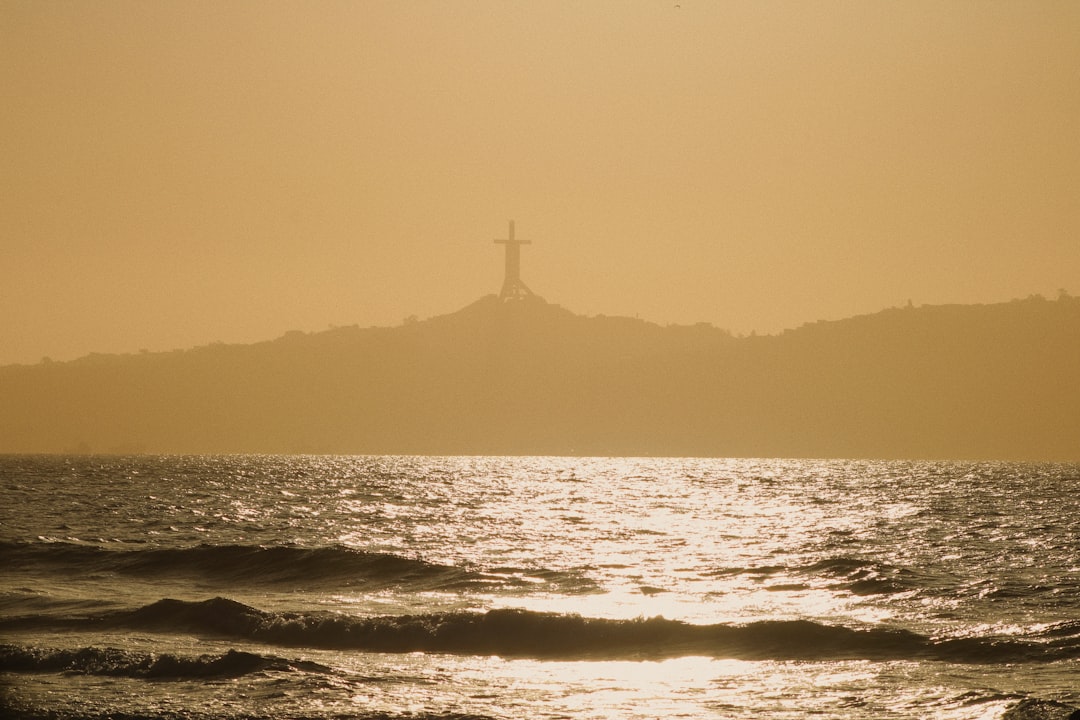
(994, 381)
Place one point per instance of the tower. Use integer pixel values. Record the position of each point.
(513, 288)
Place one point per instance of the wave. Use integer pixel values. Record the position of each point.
(13, 711)
(1030, 709)
(861, 576)
(868, 577)
(523, 633)
(1038, 709)
(122, 663)
(855, 575)
(280, 565)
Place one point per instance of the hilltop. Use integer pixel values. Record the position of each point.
(993, 381)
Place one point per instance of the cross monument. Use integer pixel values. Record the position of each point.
(513, 288)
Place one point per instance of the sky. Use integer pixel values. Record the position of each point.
(174, 174)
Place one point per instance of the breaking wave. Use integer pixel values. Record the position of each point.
(523, 633)
(282, 566)
(122, 663)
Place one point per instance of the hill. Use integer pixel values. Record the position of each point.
(977, 381)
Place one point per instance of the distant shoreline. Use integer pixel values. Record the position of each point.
(981, 382)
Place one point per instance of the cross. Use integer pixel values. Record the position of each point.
(513, 288)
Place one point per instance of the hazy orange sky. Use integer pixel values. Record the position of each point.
(179, 173)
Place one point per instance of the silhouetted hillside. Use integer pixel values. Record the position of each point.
(983, 381)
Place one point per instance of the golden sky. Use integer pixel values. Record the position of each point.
(178, 173)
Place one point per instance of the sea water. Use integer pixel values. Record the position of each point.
(535, 587)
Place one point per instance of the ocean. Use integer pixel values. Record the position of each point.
(536, 587)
